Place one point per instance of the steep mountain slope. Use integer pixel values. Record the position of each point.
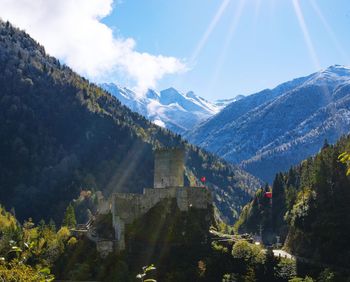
(60, 134)
(168, 108)
(277, 128)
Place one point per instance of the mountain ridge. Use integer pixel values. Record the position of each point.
(244, 130)
(169, 108)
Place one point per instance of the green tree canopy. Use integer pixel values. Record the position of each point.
(69, 217)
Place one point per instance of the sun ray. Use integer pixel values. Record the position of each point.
(325, 91)
(233, 26)
(305, 31)
(209, 30)
(328, 28)
(126, 168)
(272, 5)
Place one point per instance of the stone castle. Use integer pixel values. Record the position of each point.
(168, 184)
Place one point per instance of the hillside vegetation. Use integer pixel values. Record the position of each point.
(177, 243)
(181, 248)
(60, 134)
(28, 251)
(309, 210)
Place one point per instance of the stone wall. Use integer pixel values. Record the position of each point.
(128, 207)
(119, 231)
(103, 205)
(199, 197)
(131, 206)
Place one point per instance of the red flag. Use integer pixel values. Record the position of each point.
(203, 179)
(268, 195)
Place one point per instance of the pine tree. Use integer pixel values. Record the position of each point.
(69, 217)
(278, 202)
(291, 178)
(269, 265)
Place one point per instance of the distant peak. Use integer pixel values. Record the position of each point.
(191, 94)
(336, 68)
(110, 84)
(170, 89)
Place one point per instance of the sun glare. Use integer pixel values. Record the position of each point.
(230, 34)
(257, 10)
(311, 49)
(329, 30)
(209, 30)
(305, 31)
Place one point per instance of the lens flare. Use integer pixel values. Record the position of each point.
(209, 30)
(257, 10)
(126, 168)
(233, 27)
(328, 28)
(311, 49)
(307, 38)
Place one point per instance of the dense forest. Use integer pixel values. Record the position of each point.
(309, 209)
(61, 134)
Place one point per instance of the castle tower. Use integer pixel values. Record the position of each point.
(169, 168)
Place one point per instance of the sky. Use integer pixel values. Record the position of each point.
(216, 48)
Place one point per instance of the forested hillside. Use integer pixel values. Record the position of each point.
(60, 134)
(309, 208)
(179, 244)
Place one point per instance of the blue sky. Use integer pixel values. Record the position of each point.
(267, 45)
(216, 48)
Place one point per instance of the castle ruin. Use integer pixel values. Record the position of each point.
(168, 184)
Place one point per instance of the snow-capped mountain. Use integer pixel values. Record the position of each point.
(269, 131)
(168, 108)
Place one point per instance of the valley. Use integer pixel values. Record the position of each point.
(106, 177)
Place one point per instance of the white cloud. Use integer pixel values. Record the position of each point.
(72, 31)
